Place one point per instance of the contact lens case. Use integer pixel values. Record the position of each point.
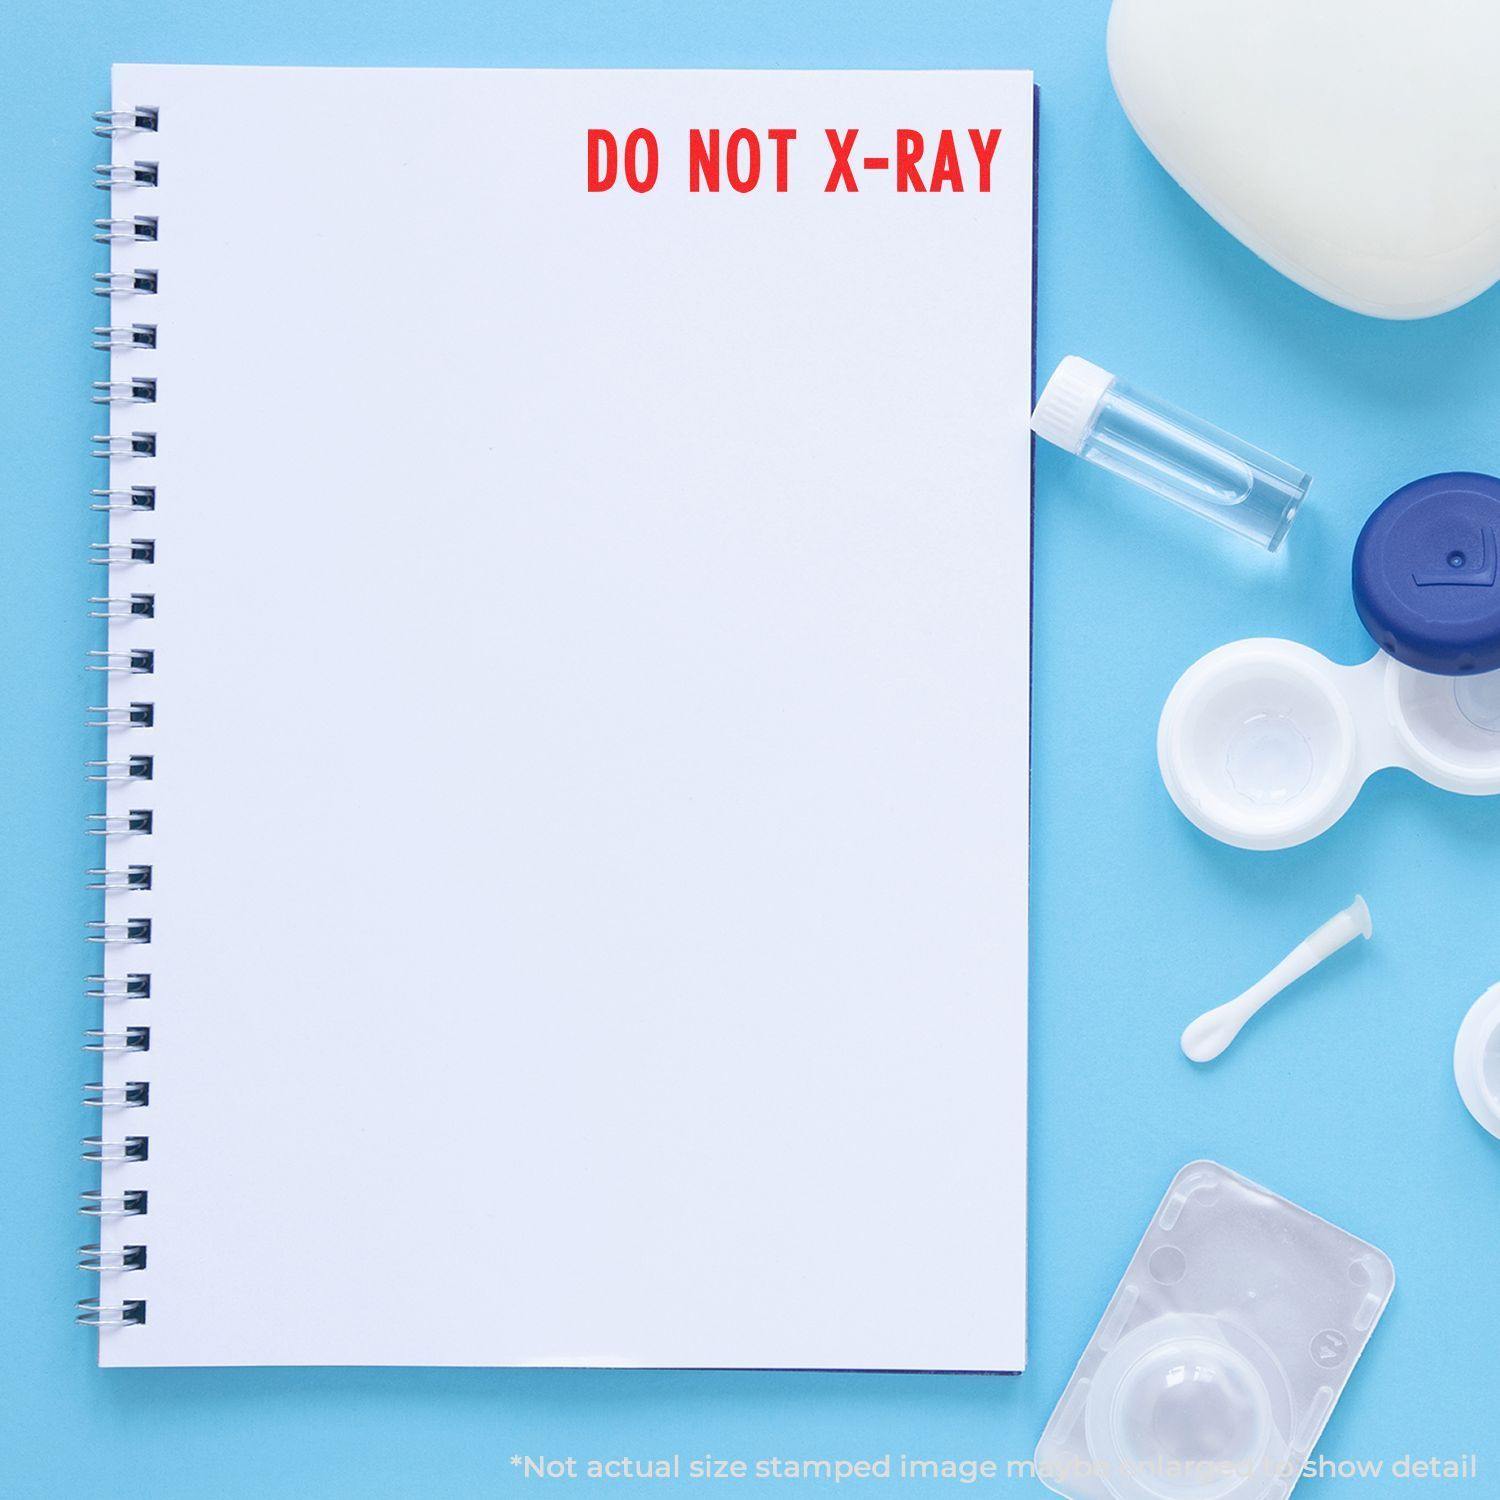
(1221, 1354)
(1476, 1060)
(1266, 743)
(1354, 145)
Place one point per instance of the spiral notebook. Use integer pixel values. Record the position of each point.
(563, 720)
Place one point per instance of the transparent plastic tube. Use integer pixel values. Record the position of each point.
(1170, 452)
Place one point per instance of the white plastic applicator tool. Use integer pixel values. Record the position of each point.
(1213, 1031)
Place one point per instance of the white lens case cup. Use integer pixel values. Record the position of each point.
(1265, 743)
(1221, 1354)
(1476, 1060)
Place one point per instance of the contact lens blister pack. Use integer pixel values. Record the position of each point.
(1222, 1352)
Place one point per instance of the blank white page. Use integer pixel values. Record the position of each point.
(590, 758)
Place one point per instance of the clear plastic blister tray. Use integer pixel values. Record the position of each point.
(1221, 1353)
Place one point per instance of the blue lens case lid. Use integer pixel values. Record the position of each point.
(1427, 574)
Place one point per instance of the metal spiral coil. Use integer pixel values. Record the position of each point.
(98, 1204)
(125, 121)
(137, 768)
(109, 825)
(138, 392)
(137, 549)
(132, 1095)
(126, 1258)
(124, 445)
(110, 176)
(131, 716)
(133, 878)
(123, 283)
(119, 987)
(132, 1039)
(122, 881)
(138, 497)
(122, 608)
(129, 336)
(132, 1148)
(140, 229)
(139, 661)
(95, 1314)
(135, 932)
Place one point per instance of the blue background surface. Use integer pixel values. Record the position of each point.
(1342, 1096)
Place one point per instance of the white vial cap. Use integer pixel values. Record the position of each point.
(1070, 402)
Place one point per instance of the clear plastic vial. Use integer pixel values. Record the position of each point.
(1170, 452)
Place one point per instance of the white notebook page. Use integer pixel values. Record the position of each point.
(591, 751)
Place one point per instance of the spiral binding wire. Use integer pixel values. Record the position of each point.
(132, 1148)
(126, 1258)
(138, 392)
(128, 609)
(119, 986)
(109, 122)
(126, 336)
(135, 661)
(137, 497)
(93, 1313)
(132, 231)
